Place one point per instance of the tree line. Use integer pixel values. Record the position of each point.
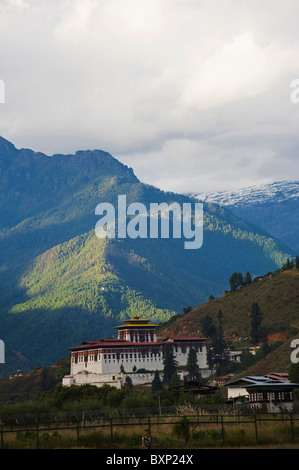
(170, 374)
(171, 378)
(217, 354)
(290, 264)
(237, 279)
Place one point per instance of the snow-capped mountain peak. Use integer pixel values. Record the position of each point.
(257, 194)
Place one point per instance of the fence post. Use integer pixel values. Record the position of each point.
(255, 425)
(111, 429)
(292, 428)
(37, 436)
(222, 429)
(149, 424)
(2, 439)
(78, 428)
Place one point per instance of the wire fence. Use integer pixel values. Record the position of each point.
(38, 425)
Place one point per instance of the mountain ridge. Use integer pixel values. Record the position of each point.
(273, 207)
(47, 213)
(280, 190)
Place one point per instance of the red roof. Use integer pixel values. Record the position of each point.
(283, 376)
(111, 342)
(188, 338)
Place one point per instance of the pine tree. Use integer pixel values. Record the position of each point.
(174, 380)
(233, 280)
(294, 373)
(157, 383)
(128, 382)
(192, 366)
(187, 309)
(217, 355)
(256, 315)
(210, 357)
(248, 279)
(289, 264)
(240, 280)
(207, 326)
(236, 280)
(220, 343)
(247, 359)
(169, 363)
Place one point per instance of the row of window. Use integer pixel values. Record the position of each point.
(94, 358)
(270, 396)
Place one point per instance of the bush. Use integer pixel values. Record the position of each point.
(181, 429)
(208, 437)
(49, 438)
(27, 436)
(134, 441)
(198, 435)
(214, 435)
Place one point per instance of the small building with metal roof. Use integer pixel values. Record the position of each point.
(238, 387)
(272, 397)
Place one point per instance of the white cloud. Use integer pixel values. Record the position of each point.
(190, 93)
(75, 23)
(16, 4)
(238, 70)
(182, 165)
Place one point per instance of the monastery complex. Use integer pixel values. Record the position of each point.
(136, 352)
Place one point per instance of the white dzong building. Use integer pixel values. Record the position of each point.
(136, 352)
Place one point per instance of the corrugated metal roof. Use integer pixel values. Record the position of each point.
(273, 385)
(252, 379)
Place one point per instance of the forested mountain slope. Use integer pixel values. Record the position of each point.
(60, 284)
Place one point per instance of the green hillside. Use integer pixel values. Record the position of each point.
(278, 297)
(72, 292)
(33, 384)
(60, 284)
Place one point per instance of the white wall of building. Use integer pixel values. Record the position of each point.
(105, 367)
(108, 363)
(112, 364)
(234, 392)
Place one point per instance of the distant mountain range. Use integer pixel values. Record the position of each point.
(60, 284)
(274, 207)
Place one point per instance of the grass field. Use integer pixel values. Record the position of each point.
(168, 433)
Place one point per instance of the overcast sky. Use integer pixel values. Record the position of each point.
(194, 95)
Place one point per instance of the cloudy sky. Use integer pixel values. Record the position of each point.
(194, 95)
